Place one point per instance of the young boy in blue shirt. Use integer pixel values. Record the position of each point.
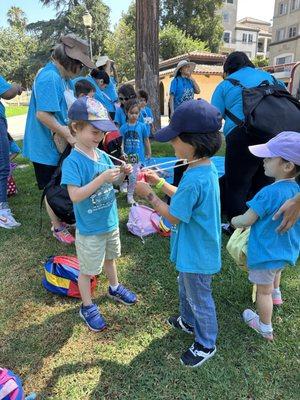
(194, 212)
(89, 173)
(145, 110)
(269, 251)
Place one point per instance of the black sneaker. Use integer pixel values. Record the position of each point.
(196, 355)
(176, 322)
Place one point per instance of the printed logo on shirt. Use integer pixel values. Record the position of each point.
(188, 94)
(104, 197)
(132, 142)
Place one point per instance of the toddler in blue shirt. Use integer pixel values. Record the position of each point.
(269, 251)
(194, 212)
(88, 174)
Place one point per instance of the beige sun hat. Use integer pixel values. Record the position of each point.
(102, 60)
(77, 49)
(183, 63)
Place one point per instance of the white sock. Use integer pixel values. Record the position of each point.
(114, 287)
(277, 290)
(265, 327)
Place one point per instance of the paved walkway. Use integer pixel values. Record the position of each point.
(16, 125)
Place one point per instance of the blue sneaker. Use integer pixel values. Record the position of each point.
(122, 295)
(92, 317)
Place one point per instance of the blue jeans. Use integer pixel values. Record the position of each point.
(197, 307)
(4, 160)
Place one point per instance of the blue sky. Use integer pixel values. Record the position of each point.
(35, 11)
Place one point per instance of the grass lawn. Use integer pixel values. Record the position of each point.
(12, 111)
(137, 357)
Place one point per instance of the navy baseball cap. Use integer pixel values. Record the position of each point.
(192, 116)
(91, 110)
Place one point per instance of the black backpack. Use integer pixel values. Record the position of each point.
(268, 108)
(58, 196)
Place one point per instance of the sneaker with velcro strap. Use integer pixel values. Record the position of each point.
(92, 317)
(122, 295)
(177, 323)
(196, 355)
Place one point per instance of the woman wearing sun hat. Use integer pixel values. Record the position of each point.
(183, 86)
(51, 97)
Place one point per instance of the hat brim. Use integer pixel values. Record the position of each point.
(104, 125)
(102, 61)
(78, 55)
(261, 150)
(191, 63)
(165, 134)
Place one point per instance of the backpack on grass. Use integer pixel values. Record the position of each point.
(268, 108)
(144, 221)
(61, 276)
(57, 196)
(11, 387)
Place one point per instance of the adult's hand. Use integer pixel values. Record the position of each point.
(291, 213)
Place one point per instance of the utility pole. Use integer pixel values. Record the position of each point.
(147, 53)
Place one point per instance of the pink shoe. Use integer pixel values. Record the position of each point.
(252, 320)
(277, 299)
(63, 235)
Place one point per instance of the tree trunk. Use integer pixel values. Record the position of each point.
(147, 54)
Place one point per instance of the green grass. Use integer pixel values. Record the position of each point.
(12, 111)
(44, 340)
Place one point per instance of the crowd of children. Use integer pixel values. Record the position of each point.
(89, 175)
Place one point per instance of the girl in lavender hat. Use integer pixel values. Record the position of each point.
(269, 251)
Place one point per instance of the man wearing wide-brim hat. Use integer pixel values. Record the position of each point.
(183, 86)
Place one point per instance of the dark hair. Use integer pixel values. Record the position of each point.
(127, 91)
(205, 144)
(235, 61)
(83, 86)
(143, 94)
(69, 64)
(100, 74)
(130, 104)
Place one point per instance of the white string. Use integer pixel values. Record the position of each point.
(180, 165)
(164, 163)
(86, 155)
(115, 158)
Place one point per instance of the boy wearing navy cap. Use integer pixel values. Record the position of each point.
(88, 174)
(194, 212)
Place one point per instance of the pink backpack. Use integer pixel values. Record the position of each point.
(11, 387)
(142, 221)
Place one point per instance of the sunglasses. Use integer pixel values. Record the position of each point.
(124, 98)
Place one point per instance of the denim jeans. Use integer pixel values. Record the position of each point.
(4, 160)
(197, 307)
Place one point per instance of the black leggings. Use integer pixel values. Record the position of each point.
(244, 173)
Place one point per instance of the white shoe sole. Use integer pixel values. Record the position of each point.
(201, 362)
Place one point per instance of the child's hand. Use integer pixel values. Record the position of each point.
(110, 175)
(142, 189)
(126, 169)
(151, 176)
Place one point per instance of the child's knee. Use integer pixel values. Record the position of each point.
(265, 289)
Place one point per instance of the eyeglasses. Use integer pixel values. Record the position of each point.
(124, 98)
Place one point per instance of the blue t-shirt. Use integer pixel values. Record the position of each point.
(228, 96)
(268, 249)
(196, 240)
(111, 90)
(182, 89)
(4, 87)
(134, 136)
(13, 147)
(147, 115)
(98, 213)
(47, 95)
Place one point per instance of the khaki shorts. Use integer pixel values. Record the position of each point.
(93, 250)
(262, 276)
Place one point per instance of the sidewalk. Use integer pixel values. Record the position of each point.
(16, 125)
